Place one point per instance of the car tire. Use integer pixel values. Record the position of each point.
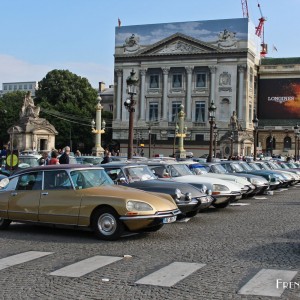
(106, 224)
(221, 205)
(4, 223)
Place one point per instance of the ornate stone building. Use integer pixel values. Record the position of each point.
(31, 132)
(279, 105)
(194, 64)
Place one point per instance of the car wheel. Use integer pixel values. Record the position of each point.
(221, 205)
(153, 228)
(4, 223)
(106, 224)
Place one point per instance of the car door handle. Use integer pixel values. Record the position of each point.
(45, 194)
(14, 194)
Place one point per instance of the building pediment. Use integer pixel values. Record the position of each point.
(179, 44)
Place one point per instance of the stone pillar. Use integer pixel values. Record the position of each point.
(188, 104)
(165, 93)
(213, 70)
(241, 70)
(119, 96)
(142, 94)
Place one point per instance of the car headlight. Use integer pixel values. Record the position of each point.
(138, 206)
(188, 196)
(178, 193)
(220, 188)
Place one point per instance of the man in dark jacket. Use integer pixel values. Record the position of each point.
(64, 158)
(107, 158)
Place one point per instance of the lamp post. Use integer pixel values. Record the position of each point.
(174, 140)
(296, 131)
(149, 137)
(181, 132)
(211, 114)
(255, 126)
(99, 129)
(231, 144)
(215, 139)
(129, 104)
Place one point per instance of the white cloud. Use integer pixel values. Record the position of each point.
(15, 70)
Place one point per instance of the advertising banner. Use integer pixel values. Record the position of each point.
(279, 98)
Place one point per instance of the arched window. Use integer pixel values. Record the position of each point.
(270, 143)
(287, 143)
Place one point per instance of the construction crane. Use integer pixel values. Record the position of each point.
(260, 33)
(259, 30)
(245, 8)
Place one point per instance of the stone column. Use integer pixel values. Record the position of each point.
(213, 70)
(188, 104)
(142, 94)
(165, 93)
(119, 96)
(241, 70)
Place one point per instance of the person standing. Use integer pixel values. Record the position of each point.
(44, 160)
(65, 157)
(54, 160)
(107, 158)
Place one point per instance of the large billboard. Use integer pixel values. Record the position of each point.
(279, 98)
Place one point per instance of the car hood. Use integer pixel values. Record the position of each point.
(163, 202)
(207, 181)
(231, 178)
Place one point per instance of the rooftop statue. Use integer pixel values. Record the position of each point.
(28, 108)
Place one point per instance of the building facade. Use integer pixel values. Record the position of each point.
(28, 86)
(194, 64)
(279, 105)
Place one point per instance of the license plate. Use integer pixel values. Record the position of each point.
(169, 220)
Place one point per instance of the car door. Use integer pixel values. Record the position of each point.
(24, 200)
(60, 202)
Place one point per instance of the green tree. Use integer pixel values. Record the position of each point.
(68, 102)
(10, 108)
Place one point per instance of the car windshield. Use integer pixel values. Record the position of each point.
(26, 162)
(238, 168)
(87, 178)
(179, 170)
(139, 173)
(198, 169)
(89, 160)
(255, 166)
(219, 169)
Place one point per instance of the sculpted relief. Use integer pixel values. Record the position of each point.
(227, 39)
(132, 43)
(28, 108)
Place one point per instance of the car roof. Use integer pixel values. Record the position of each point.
(120, 165)
(54, 167)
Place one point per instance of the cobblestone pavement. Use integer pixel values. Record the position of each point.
(233, 244)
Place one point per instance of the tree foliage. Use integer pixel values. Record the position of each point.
(68, 102)
(10, 108)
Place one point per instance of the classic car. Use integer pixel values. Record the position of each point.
(82, 196)
(89, 160)
(260, 183)
(199, 169)
(223, 191)
(275, 181)
(188, 198)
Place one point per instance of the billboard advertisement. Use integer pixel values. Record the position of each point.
(279, 98)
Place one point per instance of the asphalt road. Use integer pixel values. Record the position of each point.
(247, 251)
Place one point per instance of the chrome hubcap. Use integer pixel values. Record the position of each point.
(107, 224)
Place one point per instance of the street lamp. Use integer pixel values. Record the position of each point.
(181, 132)
(296, 131)
(149, 137)
(211, 114)
(231, 144)
(255, 126)
(129, 104)
(176, 130)
(215, 139)
(98, 130)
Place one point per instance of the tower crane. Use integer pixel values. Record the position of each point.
(260, 33)
(245, 8)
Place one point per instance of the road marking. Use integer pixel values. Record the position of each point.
(85, 266)
(239, 204)
(260, 198)
(267, 282)
(170, 274)
(21, 258)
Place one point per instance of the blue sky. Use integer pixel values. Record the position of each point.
(38, 36)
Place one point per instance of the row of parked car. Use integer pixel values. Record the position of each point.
(138, 195)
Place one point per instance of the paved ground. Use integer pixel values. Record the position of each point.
(230, 253)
